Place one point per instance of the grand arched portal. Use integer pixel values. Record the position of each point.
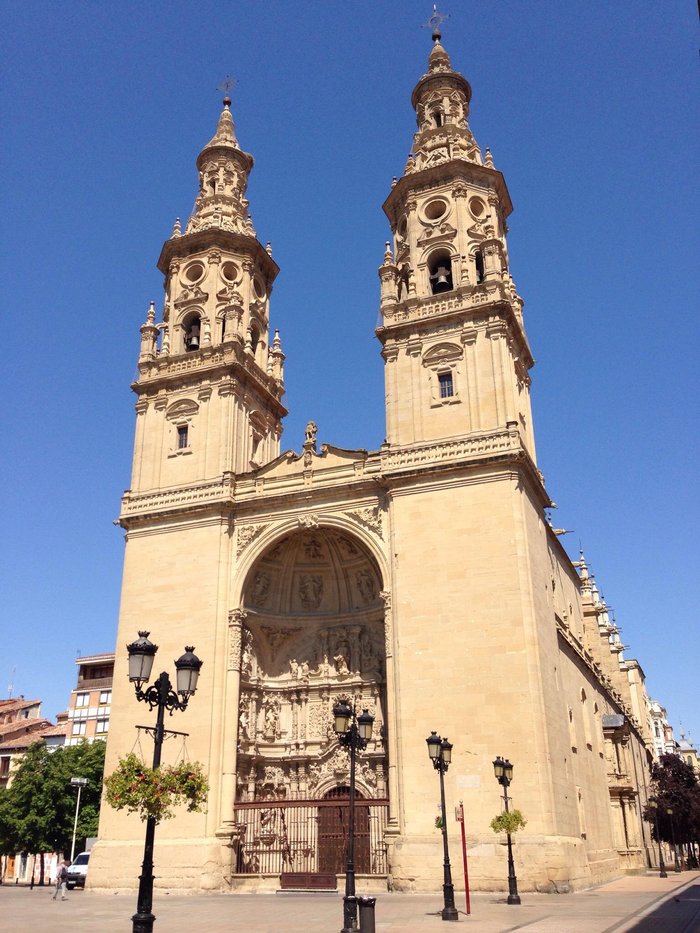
(313, 633)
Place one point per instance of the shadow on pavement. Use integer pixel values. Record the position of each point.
(679, 914)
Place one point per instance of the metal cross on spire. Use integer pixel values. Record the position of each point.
(227, 86)
(435, 21)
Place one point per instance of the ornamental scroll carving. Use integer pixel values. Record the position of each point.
(388, 628)
(370, 517)
(246, 534)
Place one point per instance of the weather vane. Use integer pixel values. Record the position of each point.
(227, 85)
(435, 21)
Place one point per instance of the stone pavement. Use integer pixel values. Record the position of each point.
(635, 904)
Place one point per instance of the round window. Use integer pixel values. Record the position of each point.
(477, 207)
(194, 272)
(435, 209)
(229, 271)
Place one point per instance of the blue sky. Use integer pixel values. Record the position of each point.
(587, 110)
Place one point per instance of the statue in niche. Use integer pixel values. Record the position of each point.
(367, 585)
(371, 662)
(247, 654)
(271, 723)
(310, 590)
(341, 665)
(294, 668)
(261, 588)
(347, 547)
(304, 671)
(243, 724)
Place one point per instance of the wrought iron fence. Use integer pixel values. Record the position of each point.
(277, 836)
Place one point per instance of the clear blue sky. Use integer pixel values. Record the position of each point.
(590, 111)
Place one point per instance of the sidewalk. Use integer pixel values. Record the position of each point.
(635, 904)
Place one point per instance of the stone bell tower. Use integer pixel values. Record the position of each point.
(210, 394)
(456, 354)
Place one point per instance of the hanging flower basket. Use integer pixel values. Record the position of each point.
(508, 822)
(153, 793)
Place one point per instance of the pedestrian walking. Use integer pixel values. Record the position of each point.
(61, 878)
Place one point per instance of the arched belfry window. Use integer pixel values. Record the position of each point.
(438, 117)
(440, 272)
(192, 327)
(479, 266)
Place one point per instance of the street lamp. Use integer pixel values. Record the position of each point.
(440, 753)
(79, 783)
(503, 770)
(654, 804)
(161, 695)
(354, 732)
(676, 860)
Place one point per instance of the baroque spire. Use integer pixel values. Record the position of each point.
(223, 178)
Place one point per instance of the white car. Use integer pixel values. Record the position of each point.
(77, 871)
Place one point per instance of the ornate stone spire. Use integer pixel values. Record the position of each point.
(223, 178)
(441, 101)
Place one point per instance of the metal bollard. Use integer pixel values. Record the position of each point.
(367, 914)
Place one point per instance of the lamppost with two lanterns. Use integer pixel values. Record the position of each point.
(440, 752)
(354, 732)
(162, 696)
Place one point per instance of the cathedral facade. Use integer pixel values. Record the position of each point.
(421, 581)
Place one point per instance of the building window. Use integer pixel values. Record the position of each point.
(440, 272)
(182, 437)
(81, 713)
(79, 728)
(447, 389)
(82, 699)
(479, 264)
(102, 725)
(105, 697)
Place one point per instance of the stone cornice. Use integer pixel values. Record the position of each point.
(445, 174)
(217, 493)
(238, 243)
(477, 304)
(211, 364)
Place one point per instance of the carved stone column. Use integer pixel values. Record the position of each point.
(392, 749)
(236, 618)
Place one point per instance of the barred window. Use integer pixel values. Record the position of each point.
(446, 385)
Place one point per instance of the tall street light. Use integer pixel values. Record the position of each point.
(440, 752)
(676, 860)
(158, 695)
(79, 783)
(503, 770)
(354, 732)
(654, 804)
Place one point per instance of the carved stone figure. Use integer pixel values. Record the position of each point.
(367, 585)
(310, 590)
(311, 431)
(341, 665)
(261, 588)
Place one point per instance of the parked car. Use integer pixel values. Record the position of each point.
(78, 871)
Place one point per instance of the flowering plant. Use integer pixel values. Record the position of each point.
(508, 822)
(153, 792)
(438, 822)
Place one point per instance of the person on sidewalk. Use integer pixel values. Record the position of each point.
(61, 878)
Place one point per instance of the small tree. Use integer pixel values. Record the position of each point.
(38, 809)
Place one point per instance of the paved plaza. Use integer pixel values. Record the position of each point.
(638, 904)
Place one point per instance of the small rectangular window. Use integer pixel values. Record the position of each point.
(102, 725)
(105, 697)
(82, 699)
(79, 728)
(182, 436)
(446, 385)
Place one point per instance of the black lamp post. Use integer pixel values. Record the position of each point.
(676, 860)
(354, 732)
(654, 804)
(440, 751)
(503, 770)
(161, 695)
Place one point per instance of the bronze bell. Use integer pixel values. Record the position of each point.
(442, 280)
(192, 338)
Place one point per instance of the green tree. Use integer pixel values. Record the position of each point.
(37, 811)
(675, 785)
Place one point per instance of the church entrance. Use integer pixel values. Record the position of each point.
(313, 634)
(333, 825)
